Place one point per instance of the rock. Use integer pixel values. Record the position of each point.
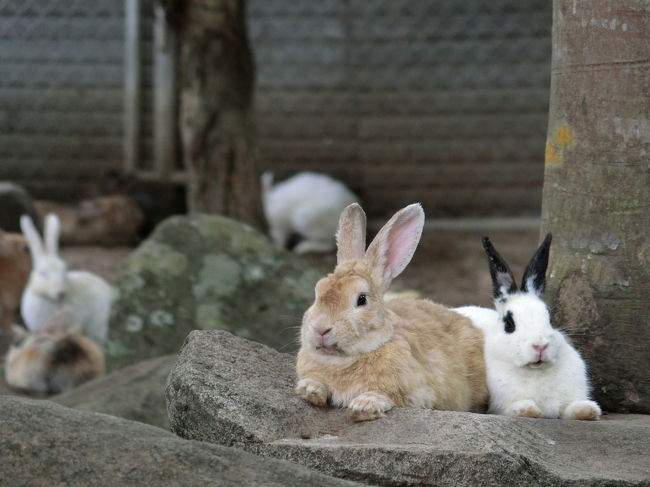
(15, 201)
(230, 391)
(43, 443)
(136, 392)
(206, 272)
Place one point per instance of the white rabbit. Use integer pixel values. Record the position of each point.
(307, 205)
(52, 288)
(532, 369)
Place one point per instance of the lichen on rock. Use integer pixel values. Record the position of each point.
(206, 272)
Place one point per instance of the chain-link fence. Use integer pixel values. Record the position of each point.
(443, 102)
(61, 92)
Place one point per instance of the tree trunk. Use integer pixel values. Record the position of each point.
(597, 192)
(217, 78)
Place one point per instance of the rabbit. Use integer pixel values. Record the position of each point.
(52, 287)
(306, 205)
(104, 220)
(52, 360)
(361, 352)
(532, 368)
(15, 266)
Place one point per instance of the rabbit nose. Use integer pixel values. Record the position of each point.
(540, 348)
(324, 332)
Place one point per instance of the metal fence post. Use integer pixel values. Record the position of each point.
(132, 84)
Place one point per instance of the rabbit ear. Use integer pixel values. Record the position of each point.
(351, 235)
(52, 228)
(394, 245)
(503, 282)
(33, 238)
(534, 279)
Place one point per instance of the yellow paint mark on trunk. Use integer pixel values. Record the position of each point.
(550, 154)
(563, 135)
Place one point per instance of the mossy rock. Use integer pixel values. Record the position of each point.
(206, 272)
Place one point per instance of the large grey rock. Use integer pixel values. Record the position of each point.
(15, 201)
(45, 444)
(231, 391)
(206, 272)
(136, 392)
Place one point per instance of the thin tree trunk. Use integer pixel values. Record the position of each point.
(597, 192)
(217, 78)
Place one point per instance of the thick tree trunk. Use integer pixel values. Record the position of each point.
(217, 78)
(597, 192)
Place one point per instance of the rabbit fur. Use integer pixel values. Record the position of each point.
(367, 354)
(15, 266)
(532, 368)
(307, 205)
(52, 360)
(52, 287)
(104, 220)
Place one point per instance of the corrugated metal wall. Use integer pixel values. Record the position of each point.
(443, 102)
(61, 92)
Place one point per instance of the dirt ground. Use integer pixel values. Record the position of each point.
(449, 266)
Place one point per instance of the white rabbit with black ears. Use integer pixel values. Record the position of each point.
(532, 369)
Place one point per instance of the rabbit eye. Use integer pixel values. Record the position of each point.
(509, 322)
(362, 300)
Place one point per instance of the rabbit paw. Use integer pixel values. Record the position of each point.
(312, 391)
(585, 410)
(369, 406)
(525, 409)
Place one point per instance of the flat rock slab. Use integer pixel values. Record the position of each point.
(231, 391)
(45, 444)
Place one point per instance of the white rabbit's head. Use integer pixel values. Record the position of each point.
(48, 269)
(523, 335)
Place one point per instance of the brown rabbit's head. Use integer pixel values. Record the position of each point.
(348, 316)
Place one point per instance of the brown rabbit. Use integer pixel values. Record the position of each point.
(52, 360)
(369, 355)
(15, 266)
(105, 220)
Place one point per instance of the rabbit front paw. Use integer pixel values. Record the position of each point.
(312, 391)
(368, 406)
(582, 410)
(525, 409)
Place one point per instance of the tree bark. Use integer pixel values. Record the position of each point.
(217, 79)
(596, 197)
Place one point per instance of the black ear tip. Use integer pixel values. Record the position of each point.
(546, 244)
(486, 243)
